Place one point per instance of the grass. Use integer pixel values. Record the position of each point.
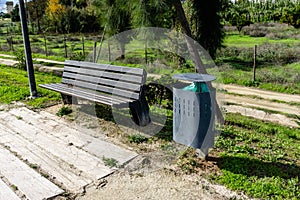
(55, 46)
(238, 40)
(283, 79)
(14, 87)
(259, 158)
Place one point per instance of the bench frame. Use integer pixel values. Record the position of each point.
(116, 86)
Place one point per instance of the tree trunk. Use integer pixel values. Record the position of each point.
(122, 45)
(199, 66)
(39, 26)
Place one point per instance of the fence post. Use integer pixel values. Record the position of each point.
(95, 52)
(254, 62)
(45, 42)
(65, 46)
(83, 50)
(146, 52)
(108, 48)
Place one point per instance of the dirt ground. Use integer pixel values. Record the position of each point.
(152, 175)
(141, 179)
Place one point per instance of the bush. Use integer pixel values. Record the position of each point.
(64, 111)
(137, 138)
(278, 53)
(269, 29)
(20, 57)
(266, 53)
(78, 56)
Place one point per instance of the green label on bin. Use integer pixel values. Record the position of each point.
(197, 87)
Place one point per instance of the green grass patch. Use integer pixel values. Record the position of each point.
(14, 87)
(238, 40)
(259, 158)
(284, 79)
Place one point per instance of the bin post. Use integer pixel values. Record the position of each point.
(193, 113)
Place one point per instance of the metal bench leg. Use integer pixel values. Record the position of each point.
(68, 99)
(140, 112)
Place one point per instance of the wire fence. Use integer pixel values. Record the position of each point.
(69, 46)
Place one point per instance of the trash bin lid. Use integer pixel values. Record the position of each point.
(194, 77)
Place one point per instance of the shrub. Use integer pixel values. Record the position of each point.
(64, 111)
(20, 57)
(78, 56)
(137, 138)
(110, 162)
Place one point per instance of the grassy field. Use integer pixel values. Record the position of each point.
(278, 57)
(14, 87)
(260, 158)
(238, 40)
(51, 46)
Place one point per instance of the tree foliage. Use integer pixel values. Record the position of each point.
(291, 16)
(206, 24)
(243, 12)
(70, 16)
(15, 14)
(36, 9)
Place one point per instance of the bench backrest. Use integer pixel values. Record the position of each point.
(124, 82)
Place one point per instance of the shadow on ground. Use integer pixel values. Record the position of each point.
(256, 167)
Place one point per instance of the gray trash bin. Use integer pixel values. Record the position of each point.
(193, 111)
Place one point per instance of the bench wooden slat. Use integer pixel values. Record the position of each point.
(128, 70)
(104, 89)
(102, 81)
(99, 98)
(89, 92)
(96, 95)
(105, 74)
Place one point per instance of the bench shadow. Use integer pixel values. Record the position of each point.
(256, 167)
(123, 117)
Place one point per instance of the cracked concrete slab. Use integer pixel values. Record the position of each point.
(71, 157)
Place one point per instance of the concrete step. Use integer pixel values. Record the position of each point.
(71, 156)
(25, 179)
(6, 192)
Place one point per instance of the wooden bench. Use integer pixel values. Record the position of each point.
(111, 85)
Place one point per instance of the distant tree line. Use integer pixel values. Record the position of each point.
(115, 16)
(241, 13)
(200, 19)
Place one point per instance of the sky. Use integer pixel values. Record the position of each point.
(3, 4)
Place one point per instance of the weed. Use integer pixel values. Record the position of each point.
(20, 57)
(45, 175)
(187, 161)
(65, 110)
(33, 166)
(110, 162)
(14, 187)
(19, 117)
(137, 138)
